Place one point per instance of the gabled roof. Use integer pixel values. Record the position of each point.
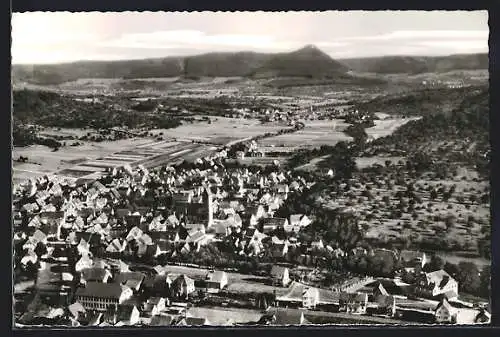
(101, 290)
(439, 277)
(135, 277)
(95, 274)
(353, 297)
(183, 278)
(380, 290)
(444, 304)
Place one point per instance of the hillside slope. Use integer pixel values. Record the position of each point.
(417, 64)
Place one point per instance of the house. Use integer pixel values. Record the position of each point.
(133, 280)
(122, 315)
(30, 257)
(386, 305)
(116, 246)
(317, 245)
(310, 298)
(158, 285)
(445, 313)
(282, 189)
(100, 296)
(222, 228)
(448, 312)
(354, 303)
(77, 311)
(95, 275)
(278, 249)
(436, 283)
(182, 286)
(83, 247)
(280, 275)
(297, 222)
(154, 306)
(84, 262)
(253, 234)
(216, 281)
(198, 239)
(412, 259)
(134, 234)
(172, 221)
(163, 247)
(271, 224)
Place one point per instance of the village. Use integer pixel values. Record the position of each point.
(205, 243)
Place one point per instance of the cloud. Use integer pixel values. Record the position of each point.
(423, 34)
(182, 39)
(467, 45)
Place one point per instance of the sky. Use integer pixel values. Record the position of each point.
(57, 37)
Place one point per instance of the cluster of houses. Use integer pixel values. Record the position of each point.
(67, 230)
(109, 293)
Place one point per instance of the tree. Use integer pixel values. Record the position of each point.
(468, 277)
(40, 249)
(451, 268)
(433, 194)
(340, 229)
(436, 263)
(485, 282)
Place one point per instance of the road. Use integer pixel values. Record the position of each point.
(343, 318)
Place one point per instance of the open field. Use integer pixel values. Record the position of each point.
(42, 160)
(385, 127)
(314, 134)
(221, 315)
(221, 130)
(89, 158)
(311, 166)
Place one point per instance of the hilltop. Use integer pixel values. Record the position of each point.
(417, 64)
(308, 61)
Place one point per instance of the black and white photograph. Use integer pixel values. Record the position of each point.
(246, 169)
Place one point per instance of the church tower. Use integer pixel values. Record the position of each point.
(209, 207)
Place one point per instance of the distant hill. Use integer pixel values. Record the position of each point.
(224, 64)
(417, 64)
(308, 62)
(60, 73)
